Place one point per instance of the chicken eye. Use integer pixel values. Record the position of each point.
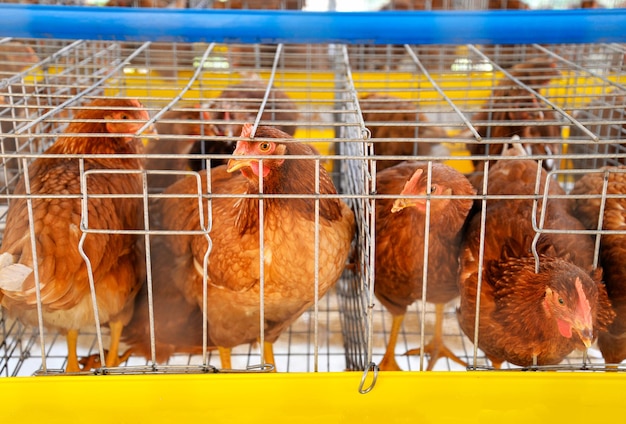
(124, 116)
(561, 301)
(433, 189)
(265, 146)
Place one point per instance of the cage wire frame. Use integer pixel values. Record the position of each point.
(352, 134)
(73, 71)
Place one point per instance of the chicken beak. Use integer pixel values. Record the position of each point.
(398, 205)
(585, 333)
(236, 164)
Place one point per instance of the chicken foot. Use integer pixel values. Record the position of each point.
(112, 359)
(388, 363)
(268, 356)
(436, 348)
(92, 362)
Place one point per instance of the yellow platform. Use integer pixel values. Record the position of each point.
(398, 397)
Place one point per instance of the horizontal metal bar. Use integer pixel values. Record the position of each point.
(260, 26)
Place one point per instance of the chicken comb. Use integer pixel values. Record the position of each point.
(246, 130)
(583, 303)
(410, 187)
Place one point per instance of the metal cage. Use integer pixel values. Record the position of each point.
(450, 90)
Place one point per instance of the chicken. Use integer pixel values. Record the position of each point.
(511, 103)
(529, 317)
(173, 127)
(392, 118)
(400, 234)
(65, 297)
(240, 103)
(237, 271)
(612, 343)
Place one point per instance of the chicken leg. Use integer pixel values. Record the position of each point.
(225, 357)
(72, 356)
(388, 363)
(435, 348)
(268, 355)
(113, 359)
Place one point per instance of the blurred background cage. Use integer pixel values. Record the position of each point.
(349, 98)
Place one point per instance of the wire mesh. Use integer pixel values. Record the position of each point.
(453, 103)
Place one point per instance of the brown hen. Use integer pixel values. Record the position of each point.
(392, 118)
(400, 242)
(612, 343)
(529, 317)
(239, 274)
(58, 221)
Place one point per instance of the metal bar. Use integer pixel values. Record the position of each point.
(461, 115)
(256, 26)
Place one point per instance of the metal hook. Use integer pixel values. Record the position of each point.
(373, 367)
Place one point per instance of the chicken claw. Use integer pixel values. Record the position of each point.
(436, 348)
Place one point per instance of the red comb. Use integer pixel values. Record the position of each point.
(583, 304)
(411, 186)
(246, 130)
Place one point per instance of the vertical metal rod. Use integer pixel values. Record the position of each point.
(261, 266)
(205, 261)
(316, 267)
(84, 223)
(33, 246)
(481, 259)
(425, 263)
(146, 223)
(538, 228)
(598, 238)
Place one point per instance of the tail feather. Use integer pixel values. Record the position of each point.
(12, 275)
